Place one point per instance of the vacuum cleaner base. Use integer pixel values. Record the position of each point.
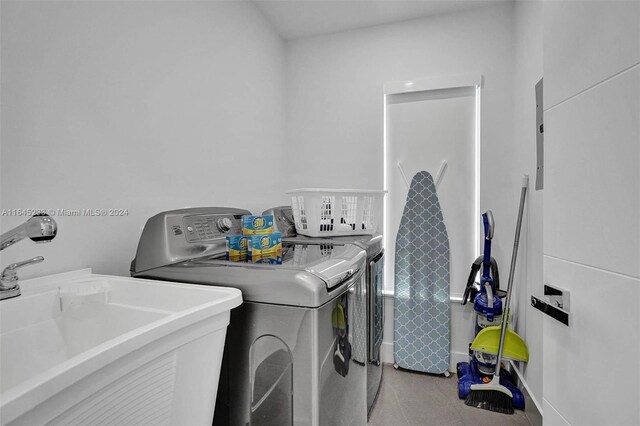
(468, 375)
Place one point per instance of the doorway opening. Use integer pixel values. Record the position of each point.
(433, 125)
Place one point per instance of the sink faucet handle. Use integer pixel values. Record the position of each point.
(17, 265)
(9, 277)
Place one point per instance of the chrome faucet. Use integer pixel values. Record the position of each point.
(9, 279)
(40, 228)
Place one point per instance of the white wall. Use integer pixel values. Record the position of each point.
(528, 278)
(335, 109)
(592, 210)
(145, 106)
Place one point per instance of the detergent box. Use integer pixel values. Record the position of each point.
(257, 225)
(237, 250)
(265, 248)
(272, 259)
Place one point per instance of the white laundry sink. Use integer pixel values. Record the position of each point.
(81, 348)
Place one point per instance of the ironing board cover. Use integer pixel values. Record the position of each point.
(421, 306)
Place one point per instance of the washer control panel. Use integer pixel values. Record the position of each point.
(199, 228)
(177, 235)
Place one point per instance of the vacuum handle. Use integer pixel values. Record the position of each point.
(487, 221)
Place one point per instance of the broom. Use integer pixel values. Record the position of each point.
(493, 396)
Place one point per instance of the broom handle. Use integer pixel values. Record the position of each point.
(512, 270)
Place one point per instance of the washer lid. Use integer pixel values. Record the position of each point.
(188, 245)
(371, 243)
(310, 275)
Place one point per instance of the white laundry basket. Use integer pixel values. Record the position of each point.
(321, 212)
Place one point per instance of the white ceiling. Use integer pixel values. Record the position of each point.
(303, 18)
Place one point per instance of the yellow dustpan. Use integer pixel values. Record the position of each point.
(488, 341)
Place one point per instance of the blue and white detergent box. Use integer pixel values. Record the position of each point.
(237, 250)
(257, 225)
(265, 248)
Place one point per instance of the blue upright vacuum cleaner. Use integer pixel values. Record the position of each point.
(487, 306)
(487, 302)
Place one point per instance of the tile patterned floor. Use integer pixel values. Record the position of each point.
(409, 398)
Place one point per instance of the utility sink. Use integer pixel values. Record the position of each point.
(81, 348)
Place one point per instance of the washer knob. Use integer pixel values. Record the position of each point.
(224, 224)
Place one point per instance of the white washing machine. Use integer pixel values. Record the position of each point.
(296, 348)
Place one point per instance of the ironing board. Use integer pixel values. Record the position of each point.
(422, 317)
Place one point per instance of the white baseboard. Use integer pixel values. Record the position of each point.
(457, 357)
(524, 384)
(386, 353)
(386, 356)
(552, 417)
